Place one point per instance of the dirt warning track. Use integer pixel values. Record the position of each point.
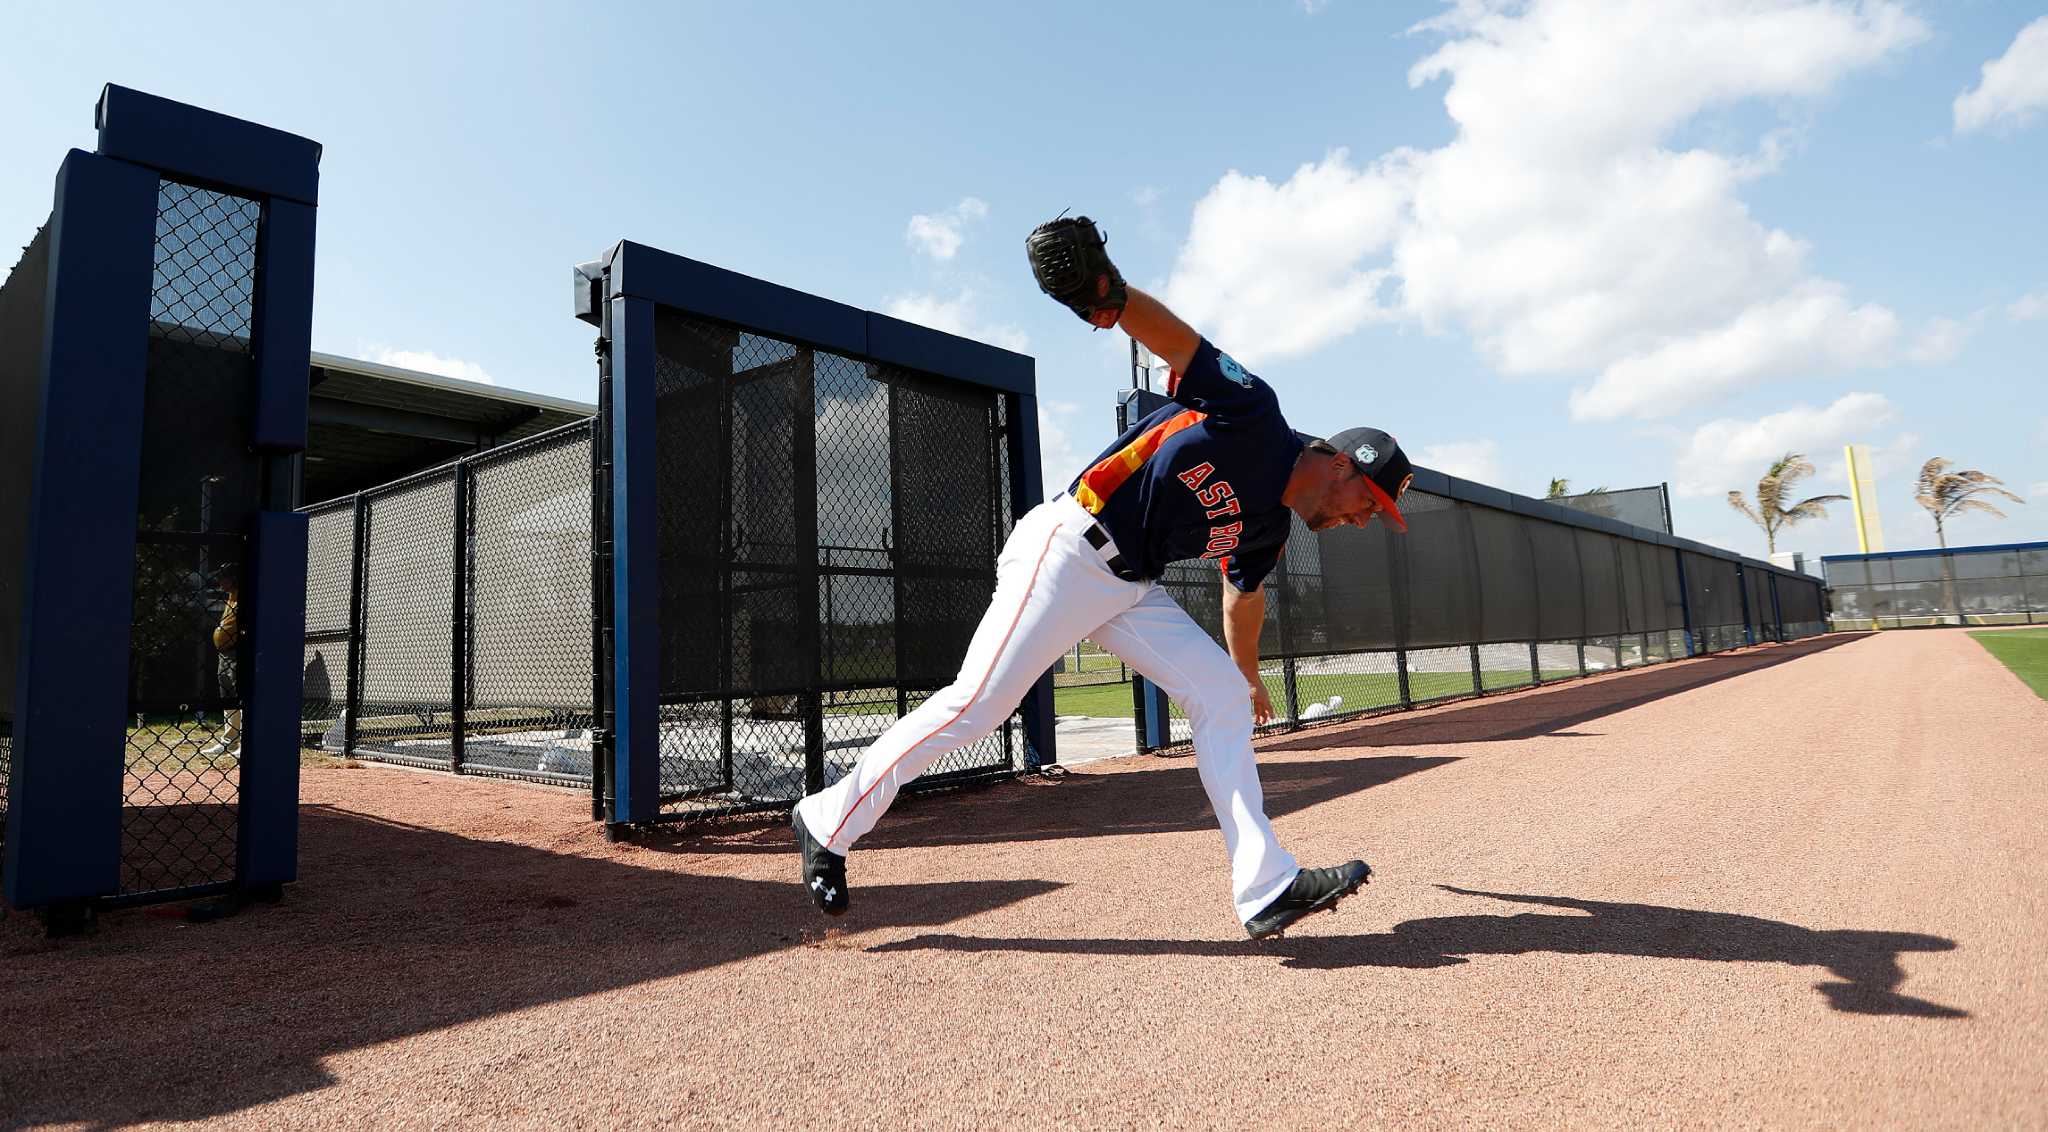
(1789, 886)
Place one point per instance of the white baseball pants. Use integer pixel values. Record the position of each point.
(1052, 589)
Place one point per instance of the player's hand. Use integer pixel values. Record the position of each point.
(1262, 704)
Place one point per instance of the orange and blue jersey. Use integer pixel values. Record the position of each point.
(1201, 477)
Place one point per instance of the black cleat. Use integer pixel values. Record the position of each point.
(824, 871)
(1313, 890)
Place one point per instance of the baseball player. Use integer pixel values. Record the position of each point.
(1212, 475)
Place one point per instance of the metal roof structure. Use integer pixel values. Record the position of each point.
(372, 423)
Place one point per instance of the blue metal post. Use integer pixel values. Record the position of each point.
(1749, 615)
(1027, 490)
(1685, 605)
(636, 599)
(267, 847)
(71, 693)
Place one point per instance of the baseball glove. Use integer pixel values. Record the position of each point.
(1068, 259)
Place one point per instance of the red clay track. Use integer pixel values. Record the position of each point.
(1800, 885)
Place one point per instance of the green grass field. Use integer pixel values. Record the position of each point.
(2025, 651)
(1362, 690)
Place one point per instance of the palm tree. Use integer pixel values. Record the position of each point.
(1562, 489)
(1947, 494)
(1770, 511)
(1591, 501)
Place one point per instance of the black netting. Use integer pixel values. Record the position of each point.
(1442, 572)
(1988, 586)
(1636, 587)
(1714, 589)
(692, 364)
(1472, 599)
(1646, 507)
(1600, 577)
(1507, 576)
(1359, 591)
(827, 529)
(950, 507)
(200, 485)
(1663, 597)
(1763, 617)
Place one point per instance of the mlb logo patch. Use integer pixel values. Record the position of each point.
(1232, 370)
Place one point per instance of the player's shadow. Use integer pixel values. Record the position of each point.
(1554, 710)
(1865, 964)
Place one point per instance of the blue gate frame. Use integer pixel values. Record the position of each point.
(71, 694)
(621, 293)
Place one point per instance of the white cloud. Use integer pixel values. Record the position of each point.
(1273, 269)
(1560, 228)
(1812, 329)
(426, 362)
(1901, 455)
(1729, 454)
(1476, 460)
(957, 315)
(1942, 339)
(2038, 491)
(2027, 308)
(1145, 196)
(1058, 456)
(2014, 86)
(940, 234)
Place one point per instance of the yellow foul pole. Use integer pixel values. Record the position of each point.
(1863, 496)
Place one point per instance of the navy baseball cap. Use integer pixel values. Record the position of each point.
(1385, 467)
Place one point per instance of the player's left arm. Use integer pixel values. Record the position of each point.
(1070, 260)
(1244, 617)
(1160, 330)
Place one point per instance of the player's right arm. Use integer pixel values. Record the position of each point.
(1244, 616)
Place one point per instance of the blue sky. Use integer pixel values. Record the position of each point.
(1614, 242)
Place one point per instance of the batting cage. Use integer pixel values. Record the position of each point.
(1964, 585)
(449, 617)
(155, 352)
(1487, 591)
(805, 502)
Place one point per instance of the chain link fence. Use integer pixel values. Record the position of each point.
(448, 616)
(827, 529)
(1975, 585)
(200, 487)
(1477, 598)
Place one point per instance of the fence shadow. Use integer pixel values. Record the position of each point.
(396, 931)
(1555, 710)
(1864, 964)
